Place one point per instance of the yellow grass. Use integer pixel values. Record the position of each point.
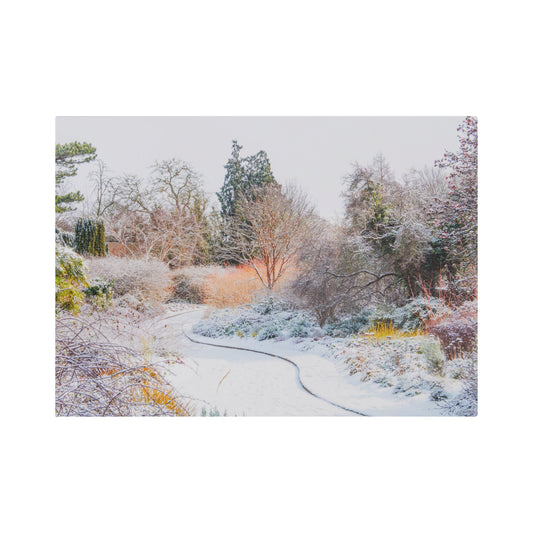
(383, 331)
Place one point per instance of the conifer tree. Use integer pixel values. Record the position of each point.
(244, 176)
(89, 237)
(68, 157)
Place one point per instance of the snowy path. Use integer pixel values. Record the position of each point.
(245, 383)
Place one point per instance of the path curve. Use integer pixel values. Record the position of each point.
(306, 389)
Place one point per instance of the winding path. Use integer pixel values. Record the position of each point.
(298, 374)
(228, 376)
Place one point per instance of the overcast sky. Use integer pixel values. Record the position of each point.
(314, 152)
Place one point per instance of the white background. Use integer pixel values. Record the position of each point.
(268, 58)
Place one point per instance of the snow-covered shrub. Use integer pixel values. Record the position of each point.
(270, 331)
(431, 348)
(71, 278)
(95, 378)
(99, 292)
(271, 305)
(457, 335)
(188, 287)
(460, 368)
(397, 363)
(464, 403)
(147, 280)
(417, 311)
(213, 411)
(269, 319)
(350, 325)
(64, 238)
(410, 317)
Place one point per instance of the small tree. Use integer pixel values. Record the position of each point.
(272, 231)
(89, 237)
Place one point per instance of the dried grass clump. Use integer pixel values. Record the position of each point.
(232, 286)
(145, 280)
(106, 379)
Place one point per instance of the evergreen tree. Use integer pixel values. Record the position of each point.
(243, 177)
(89, 237)
(68, 157)
(244, 180)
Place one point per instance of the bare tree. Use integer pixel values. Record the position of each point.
(161, 217)
(270, 230)
(339, 274)
(105, 191)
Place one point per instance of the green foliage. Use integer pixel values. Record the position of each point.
(212, 412)
(243, 176)
(411, 316)
(435, 356)
(99, 292)
(372, 195)
(348, 326)
(89, 237)
(68, 157)
(64, 238)
(71, 278)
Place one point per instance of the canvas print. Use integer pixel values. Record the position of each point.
(266, 266)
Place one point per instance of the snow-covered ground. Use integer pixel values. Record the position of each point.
(236, 382)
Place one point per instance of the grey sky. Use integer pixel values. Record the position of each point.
(314, 152)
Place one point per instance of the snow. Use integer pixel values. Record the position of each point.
(236, 382)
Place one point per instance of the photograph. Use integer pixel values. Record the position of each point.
(266, 266)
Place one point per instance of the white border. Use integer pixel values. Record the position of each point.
(245, 58)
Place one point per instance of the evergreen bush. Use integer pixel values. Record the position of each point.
(89, 237)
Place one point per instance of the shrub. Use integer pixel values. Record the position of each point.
(268, 319)
(106, 379)
(457, 332)
(348, 326)
(465, 403)
(432, 350)
(189, 284)
(417, 311)
(99, 292)
(64, 238)
(412, 316)
(271, 331)
(146, 280)
(385, 330)
(89, 237)
(71, 278)
(213, 411)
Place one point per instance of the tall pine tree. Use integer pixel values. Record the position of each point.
(243, 176)
(68, 157)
